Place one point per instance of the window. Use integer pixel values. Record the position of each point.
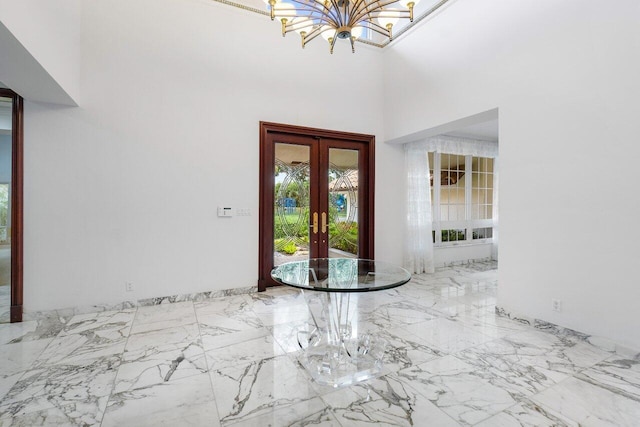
(462, 198)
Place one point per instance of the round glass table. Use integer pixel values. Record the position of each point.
(335, 350)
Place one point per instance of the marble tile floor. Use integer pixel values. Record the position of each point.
(450, 361)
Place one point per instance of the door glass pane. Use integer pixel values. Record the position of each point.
(343, 203)
(291, 203)
(5, 207)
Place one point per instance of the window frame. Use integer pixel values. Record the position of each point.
(468, 224)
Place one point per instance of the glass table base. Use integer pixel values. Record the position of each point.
(335, 353)
(332, 366)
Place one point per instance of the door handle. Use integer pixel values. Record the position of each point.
(315, 223)
(324, 222)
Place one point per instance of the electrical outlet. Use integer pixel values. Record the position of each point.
(128, 286)
(556, 305)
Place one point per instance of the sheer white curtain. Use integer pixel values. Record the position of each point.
(418, 253)
(460, 146)
(494, 213)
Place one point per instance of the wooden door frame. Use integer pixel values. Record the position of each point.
(366, 191)
(17, 157)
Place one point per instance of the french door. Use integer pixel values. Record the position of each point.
(11, 172)
(316, 196)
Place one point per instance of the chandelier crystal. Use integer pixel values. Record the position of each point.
(339, 19)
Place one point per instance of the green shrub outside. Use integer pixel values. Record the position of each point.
(295, 226)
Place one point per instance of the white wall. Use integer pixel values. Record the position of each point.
(564, 77)
(40, 47)
(125, 187)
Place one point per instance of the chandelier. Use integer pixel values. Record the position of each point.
(339, 19)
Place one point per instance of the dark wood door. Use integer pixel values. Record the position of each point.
(316, 196)
(13, 238)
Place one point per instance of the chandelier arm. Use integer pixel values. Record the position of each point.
(332, 41)
(377, 9)
(377, 28)
(379, 12)
(394, 14)
(335, 7)
(360, 6)
(315, 33)
(333, 10)
(314, 21)
(295, 26)
(315, 11)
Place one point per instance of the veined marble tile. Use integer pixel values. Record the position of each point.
(195, 297)
(106, 320)
(7, 381)
(529, 362)
(163, 316)
(161, 364)
(70, 415)
(17, 332)
(148, 342)
(404, 349)
(447, 335)
(312, 412)
(416, 289)
(489, 323)
(16, 359)
(244, 391)
(366, 302)
(89, 336)
(576, 352)
(227, 306)
(400, 313)
(620, 376)
(479, 301)
(211, 342)
(20, 356)
(264, 302)
(526, 414)
(445, 307)
(42, 327)
(385, 401)
(590, 405)
(243, 352)
(188, 401)
(82, 388)
(284, 313)
(213, 326)
(454, 387)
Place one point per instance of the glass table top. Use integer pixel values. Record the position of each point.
(340, 275)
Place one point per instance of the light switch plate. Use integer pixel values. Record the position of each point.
(225, 212)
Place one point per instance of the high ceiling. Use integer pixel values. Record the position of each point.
(423, 9)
